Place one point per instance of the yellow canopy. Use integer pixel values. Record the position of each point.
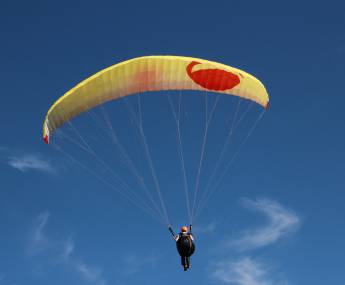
(152, 73)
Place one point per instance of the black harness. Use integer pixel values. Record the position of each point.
(185, 245)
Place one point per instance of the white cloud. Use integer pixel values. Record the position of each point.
(281, 222)
(244, 271)
(206, 229)
(67, 249)
(136, 263)
(89, 273)
(28, 162)
(62, 252)
(39, 224)
(38, 240)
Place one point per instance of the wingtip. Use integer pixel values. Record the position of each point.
(46, 139)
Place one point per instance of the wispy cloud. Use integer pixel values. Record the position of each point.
(38, 241)
(90, 273)
(205, 229)
(282, 221)
(62, 252)
(245, 271)
(27, 162)
(136, 263)
(67, 249)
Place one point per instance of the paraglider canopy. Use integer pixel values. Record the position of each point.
(152, 73)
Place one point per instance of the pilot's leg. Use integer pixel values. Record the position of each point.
(184, 262)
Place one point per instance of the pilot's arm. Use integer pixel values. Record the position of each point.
(175, 237)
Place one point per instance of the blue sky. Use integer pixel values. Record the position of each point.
(277, 217)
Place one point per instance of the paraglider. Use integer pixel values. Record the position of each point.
(148, 74)
(184, 244)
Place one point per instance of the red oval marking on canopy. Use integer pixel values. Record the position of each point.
(212, 79)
